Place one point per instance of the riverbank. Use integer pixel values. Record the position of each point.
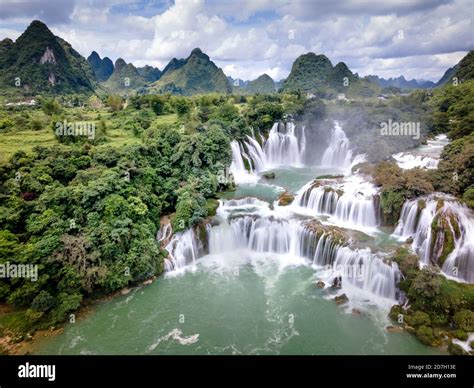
(17, 339)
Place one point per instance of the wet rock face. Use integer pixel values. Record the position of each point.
(269, 175)
(338, 235)
(341, 299)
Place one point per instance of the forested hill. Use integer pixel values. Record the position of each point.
(38, 61)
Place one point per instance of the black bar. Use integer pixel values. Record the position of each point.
(312, 371)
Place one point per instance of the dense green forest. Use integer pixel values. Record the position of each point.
(87, 210)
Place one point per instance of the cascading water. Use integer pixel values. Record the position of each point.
(408, 161)
(351, 203)
(338, 153)
(184, 248)
(237, 168)
(285, 146)
(368, 271)
(250, 227)
(426, 156)
(442, 230)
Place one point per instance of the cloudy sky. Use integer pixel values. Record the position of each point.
(417, 38)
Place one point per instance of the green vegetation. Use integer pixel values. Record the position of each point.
(315, 74)
(41, 62)
(264, 84)
(103, 68)
(197, 74)
(397, 185)
(124, 79)
(86, 210)
(439, 308)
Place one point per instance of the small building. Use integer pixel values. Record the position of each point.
(341, 97)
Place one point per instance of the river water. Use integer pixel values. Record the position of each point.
(253, 289)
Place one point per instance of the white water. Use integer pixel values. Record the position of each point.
(282, 148)
(428, 244)
(237, 168)
(338, 153)
(426, 156)
(249, 228)
(184, 249)
(351, 203)
(369, 271)
(286, 147)
(409, 161)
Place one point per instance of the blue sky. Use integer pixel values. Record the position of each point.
(417, 38)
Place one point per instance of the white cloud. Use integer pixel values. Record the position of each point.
(249, 37)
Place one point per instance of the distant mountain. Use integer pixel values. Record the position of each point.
(149, 73)
(39, 62)
(103, 68)
(308, 73)
(463, 71)
(340, 77)
(279, 84)
(400, 82)
(237, 82)
(314, 74)
(194, 75)
(174, 64)
(124, 78)
(264, 84)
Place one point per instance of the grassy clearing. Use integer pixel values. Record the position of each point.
(26, 139)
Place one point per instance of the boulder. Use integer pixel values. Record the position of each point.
(285, 199)
(125, 291)
(394, 329)
(337, 282)
(269, 175)
(341, 299)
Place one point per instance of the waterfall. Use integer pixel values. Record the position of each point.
(360, 268)
(442, 231)
(237, 168)
(337, 154)
(426, 156)
(247, 226)
(352, 203)
(165, 232)
(284, 147)
(263, 235)
(184, 249)
(408, 161)
(368, 271)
